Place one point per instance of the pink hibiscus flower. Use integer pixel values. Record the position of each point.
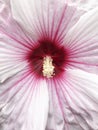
(48, 66)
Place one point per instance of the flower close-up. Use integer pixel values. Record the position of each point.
(48, 65)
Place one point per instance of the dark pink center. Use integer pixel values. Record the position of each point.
(45, 48)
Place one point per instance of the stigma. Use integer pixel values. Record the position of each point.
(48, 67)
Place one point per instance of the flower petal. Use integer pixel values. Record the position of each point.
(56, 120)
(75, 102)
(82, 42)
(11, 57)
(23, 103)
(85, 4)
(14, 46)
(41, 16)
(4, 11)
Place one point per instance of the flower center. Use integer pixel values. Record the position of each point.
(48, 68)
(47, 59)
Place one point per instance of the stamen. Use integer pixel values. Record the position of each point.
(48, 68)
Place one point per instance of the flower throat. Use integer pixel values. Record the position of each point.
(48, 59)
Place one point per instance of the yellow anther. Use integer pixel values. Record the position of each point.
(48, 68)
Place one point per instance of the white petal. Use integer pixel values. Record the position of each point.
(5, 12)
(82, 42)
(85, 4)
(24, 103)
(81, 93)
(40, 17)
(74, 102)
(56, 119)
(15, 43)
(11, 57)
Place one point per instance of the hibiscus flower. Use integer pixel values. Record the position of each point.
(48, 66)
